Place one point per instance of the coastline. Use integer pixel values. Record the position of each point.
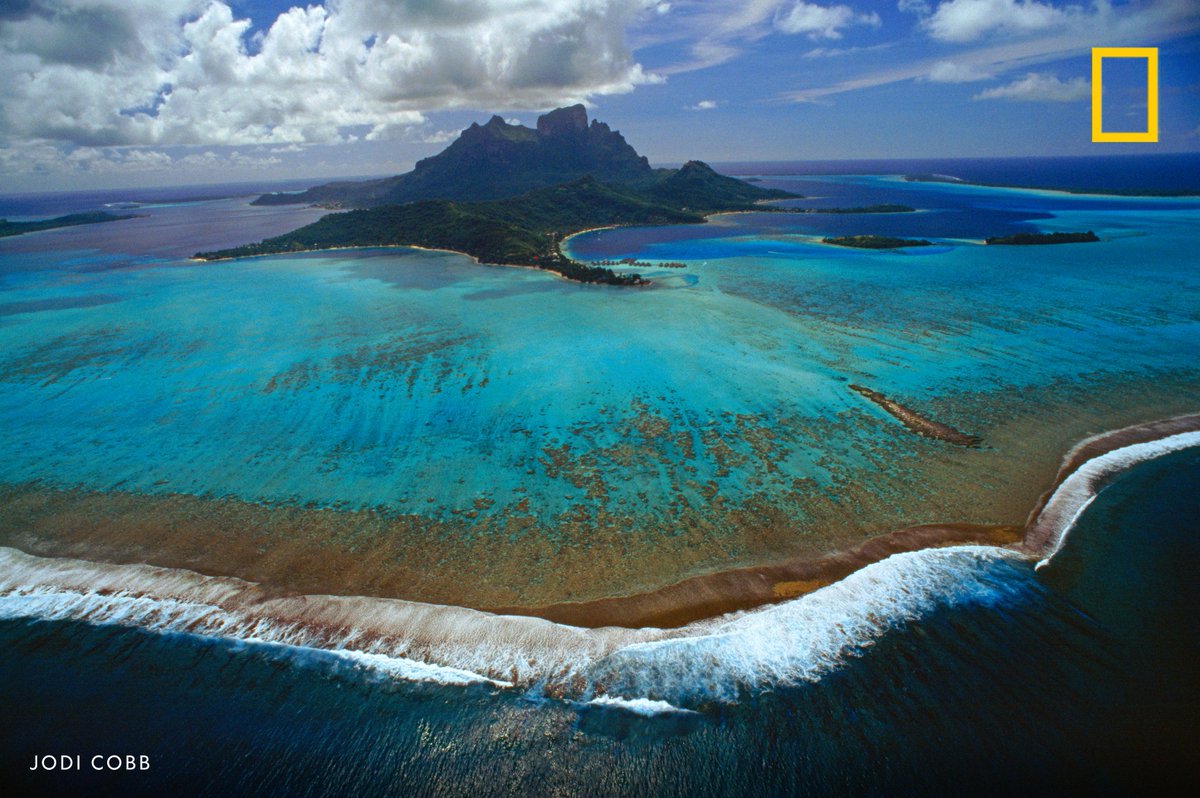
(472, 258)
(645, 283)
(714, 594)
(475, 260)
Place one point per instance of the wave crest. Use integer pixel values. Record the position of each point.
(720, 659)
(1049, 530)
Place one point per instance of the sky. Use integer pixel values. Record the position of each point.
(114, 93)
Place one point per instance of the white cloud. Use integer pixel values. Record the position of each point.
(703, 105)
(102, 73)
(837, 52)
(209, 160)
(967, 20)
(1037, 87)
(1104, 25)
(44, 158)
(951, 72)
(822, 21)
(719, 31)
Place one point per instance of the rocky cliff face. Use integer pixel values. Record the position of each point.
(563, 121)
(498, 160)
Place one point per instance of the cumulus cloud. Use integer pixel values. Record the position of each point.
(968, 20)
(103, 73)
(951, 72)
(1039, 87)
(822, 21)
(43, 158)
(703, 105)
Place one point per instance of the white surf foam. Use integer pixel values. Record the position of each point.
(803, 639)
(640, 706)
(718, 659)
(1079, 489)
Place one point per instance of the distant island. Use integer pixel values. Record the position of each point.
(1043, 238)
(1112, 192)
(875, 242)
(8, 228)
(509, 195)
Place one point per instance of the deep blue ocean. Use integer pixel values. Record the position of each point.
(1175, 172)
(1082, 677)
(960, 671)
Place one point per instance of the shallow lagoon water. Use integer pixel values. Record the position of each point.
(704, 422)
(392, 378)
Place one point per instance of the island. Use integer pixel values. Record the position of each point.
(565, 177)
(875, 242)
(1023, 239)
(1108, 192)
(8, 228)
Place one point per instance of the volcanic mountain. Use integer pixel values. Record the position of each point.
(496, 160)
(507, 194)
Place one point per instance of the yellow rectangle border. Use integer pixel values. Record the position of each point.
(1151, 56)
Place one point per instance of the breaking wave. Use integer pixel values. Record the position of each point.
(1075, 493)
(647, 671)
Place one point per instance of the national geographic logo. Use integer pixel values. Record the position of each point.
(1151, 56)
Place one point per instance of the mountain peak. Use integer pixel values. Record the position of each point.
(696, 168)
(498, 159)
(571, 119)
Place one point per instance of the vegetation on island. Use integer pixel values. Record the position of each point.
(524, 229)
(1044, 238)
(8, 228)
(875, 242)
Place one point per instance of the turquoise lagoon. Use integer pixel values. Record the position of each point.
(420, 385)
(701, 423)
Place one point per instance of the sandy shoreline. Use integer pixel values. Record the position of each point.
(713, 594)
(472, 258)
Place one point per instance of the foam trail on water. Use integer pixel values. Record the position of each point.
(1078, 490)
(718, 659)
